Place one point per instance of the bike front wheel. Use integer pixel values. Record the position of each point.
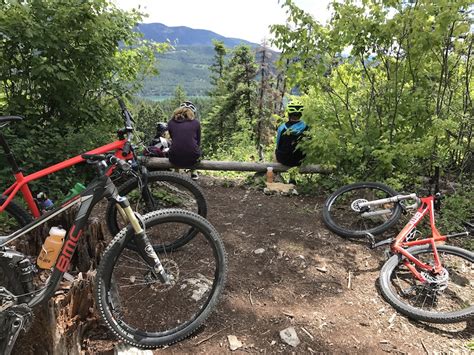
(444, 298)
(142, 310)
(342, 215)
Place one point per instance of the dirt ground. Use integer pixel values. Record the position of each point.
(306, 278)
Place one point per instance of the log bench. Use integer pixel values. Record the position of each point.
(163, 163)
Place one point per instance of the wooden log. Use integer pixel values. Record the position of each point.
(164, 163)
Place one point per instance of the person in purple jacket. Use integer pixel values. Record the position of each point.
(185, 133)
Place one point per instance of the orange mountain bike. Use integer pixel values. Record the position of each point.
(424, 279)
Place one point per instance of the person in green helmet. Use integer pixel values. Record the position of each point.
(289, 134)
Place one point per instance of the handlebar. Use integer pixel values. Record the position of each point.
(128, 119)
(108, 159)
(126, 115)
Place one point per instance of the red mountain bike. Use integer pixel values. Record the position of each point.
(147, 191)
(150, 290)
(423, 279)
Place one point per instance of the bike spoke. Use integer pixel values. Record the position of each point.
(192, 273)
(447, 292)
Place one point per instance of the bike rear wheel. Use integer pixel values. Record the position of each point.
(13, 219)
(145, 312)
(342, 215)
(447, 298)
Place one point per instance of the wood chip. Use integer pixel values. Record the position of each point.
(307, 333)
(392, 318)
(322, 269)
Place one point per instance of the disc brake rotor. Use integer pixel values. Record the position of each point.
(355, 204)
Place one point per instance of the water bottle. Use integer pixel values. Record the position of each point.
(51, 248)
(270, 174)
(76, 190)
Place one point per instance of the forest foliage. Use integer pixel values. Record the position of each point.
(387, 87)
(61, 64)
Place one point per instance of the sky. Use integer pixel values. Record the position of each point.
(243, 19)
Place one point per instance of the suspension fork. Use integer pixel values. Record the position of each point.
(144, 247)
(145, 190)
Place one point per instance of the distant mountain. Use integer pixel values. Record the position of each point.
(186, 36)
(188, 64)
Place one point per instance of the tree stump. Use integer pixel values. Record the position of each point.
(59, 325)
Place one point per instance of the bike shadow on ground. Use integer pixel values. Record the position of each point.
(380, 255)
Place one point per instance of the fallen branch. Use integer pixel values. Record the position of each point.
(424, 347)
(209, 337)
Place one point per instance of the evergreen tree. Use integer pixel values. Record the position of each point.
(268, 98)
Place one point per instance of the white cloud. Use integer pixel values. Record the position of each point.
(245, 19)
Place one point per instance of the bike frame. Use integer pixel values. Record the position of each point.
(401, 242)
(21, 181)
(99, 188)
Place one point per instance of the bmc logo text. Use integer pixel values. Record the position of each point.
(416, 218)
(67, 252)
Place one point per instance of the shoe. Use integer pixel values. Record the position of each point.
(194, 176)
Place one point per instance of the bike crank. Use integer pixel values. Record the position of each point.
(17, 318)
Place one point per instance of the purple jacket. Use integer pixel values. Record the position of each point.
(185, 148)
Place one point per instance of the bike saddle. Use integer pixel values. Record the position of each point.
(4, 119)
(469, 226)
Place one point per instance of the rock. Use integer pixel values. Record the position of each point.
(280, 188)
(290, 337)
(259, 251)
(125, 349)
(322, 269)
(234, 343)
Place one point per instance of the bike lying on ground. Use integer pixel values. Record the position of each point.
(147, 191)
(151, 294)
(423, 279)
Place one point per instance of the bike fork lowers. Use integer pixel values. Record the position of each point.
(145, 249)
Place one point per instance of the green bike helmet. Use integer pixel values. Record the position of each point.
(295, 106)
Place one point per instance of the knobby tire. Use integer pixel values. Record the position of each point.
(131, 314)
